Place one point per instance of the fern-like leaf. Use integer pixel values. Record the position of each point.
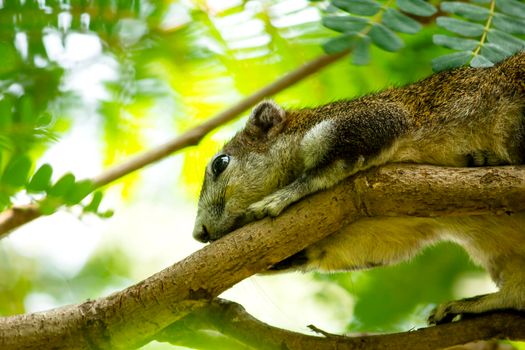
(487, 32)
(362, 22)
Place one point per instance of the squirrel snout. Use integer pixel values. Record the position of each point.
(200, 233)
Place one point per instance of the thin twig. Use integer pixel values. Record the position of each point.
(193, 136)
(15, 217)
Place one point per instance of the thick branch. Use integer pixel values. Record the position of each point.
(128, 318)
(231, 319)
(17, 216)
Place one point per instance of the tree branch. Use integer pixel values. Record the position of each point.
(17, 216)
(130, 317)
(231, 319)
(193, 136)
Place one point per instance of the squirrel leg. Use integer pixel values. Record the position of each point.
(510, 296)
(501, 300)
(483, 158)
(364, 244)
(331, 151)
(309, 182)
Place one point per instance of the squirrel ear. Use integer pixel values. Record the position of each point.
(266, 115)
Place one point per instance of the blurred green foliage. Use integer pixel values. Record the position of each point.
(169, 66)
(23, 278)
(389, 298)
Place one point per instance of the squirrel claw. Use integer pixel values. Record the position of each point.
(442, 314)
(450, 311)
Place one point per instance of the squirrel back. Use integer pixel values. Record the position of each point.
(462, 117)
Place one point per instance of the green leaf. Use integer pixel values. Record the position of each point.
(17, 171)
(469, 11)
(358, 7)
(95, 202)
(416, 7)
(44, 119)
(79, 191)
(509, 24)
(399, 22)
(460, 27)
(506, 41)
(339, 44)
(385, 38)
(480, 61)
(345, 24)
(5, 143)
(452, 60)
(27, 114)
(494, 52)
(10, 60)
(41, 180)
(4, 201)
(455, 42)
(511, 7)
(6, 113)
(106, 214)
(48, 205)
(361, 53)
(62, 186)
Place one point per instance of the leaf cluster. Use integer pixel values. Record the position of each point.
(383, 301)
(484, 32)
(33, 102)
(366, 22)
(68, 191)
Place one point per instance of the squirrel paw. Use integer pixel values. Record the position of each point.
(271, 205)
(447, 312)
(444, 313)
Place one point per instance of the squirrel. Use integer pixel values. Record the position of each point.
(461, 117)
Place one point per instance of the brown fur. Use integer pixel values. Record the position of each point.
(463, 117)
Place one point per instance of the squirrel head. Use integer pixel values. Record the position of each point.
(249, 167)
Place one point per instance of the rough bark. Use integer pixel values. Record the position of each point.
(128, 318)
(231, 319)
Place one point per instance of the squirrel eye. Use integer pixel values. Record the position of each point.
(219, 164)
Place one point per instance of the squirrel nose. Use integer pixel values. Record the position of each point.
(201, 234)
